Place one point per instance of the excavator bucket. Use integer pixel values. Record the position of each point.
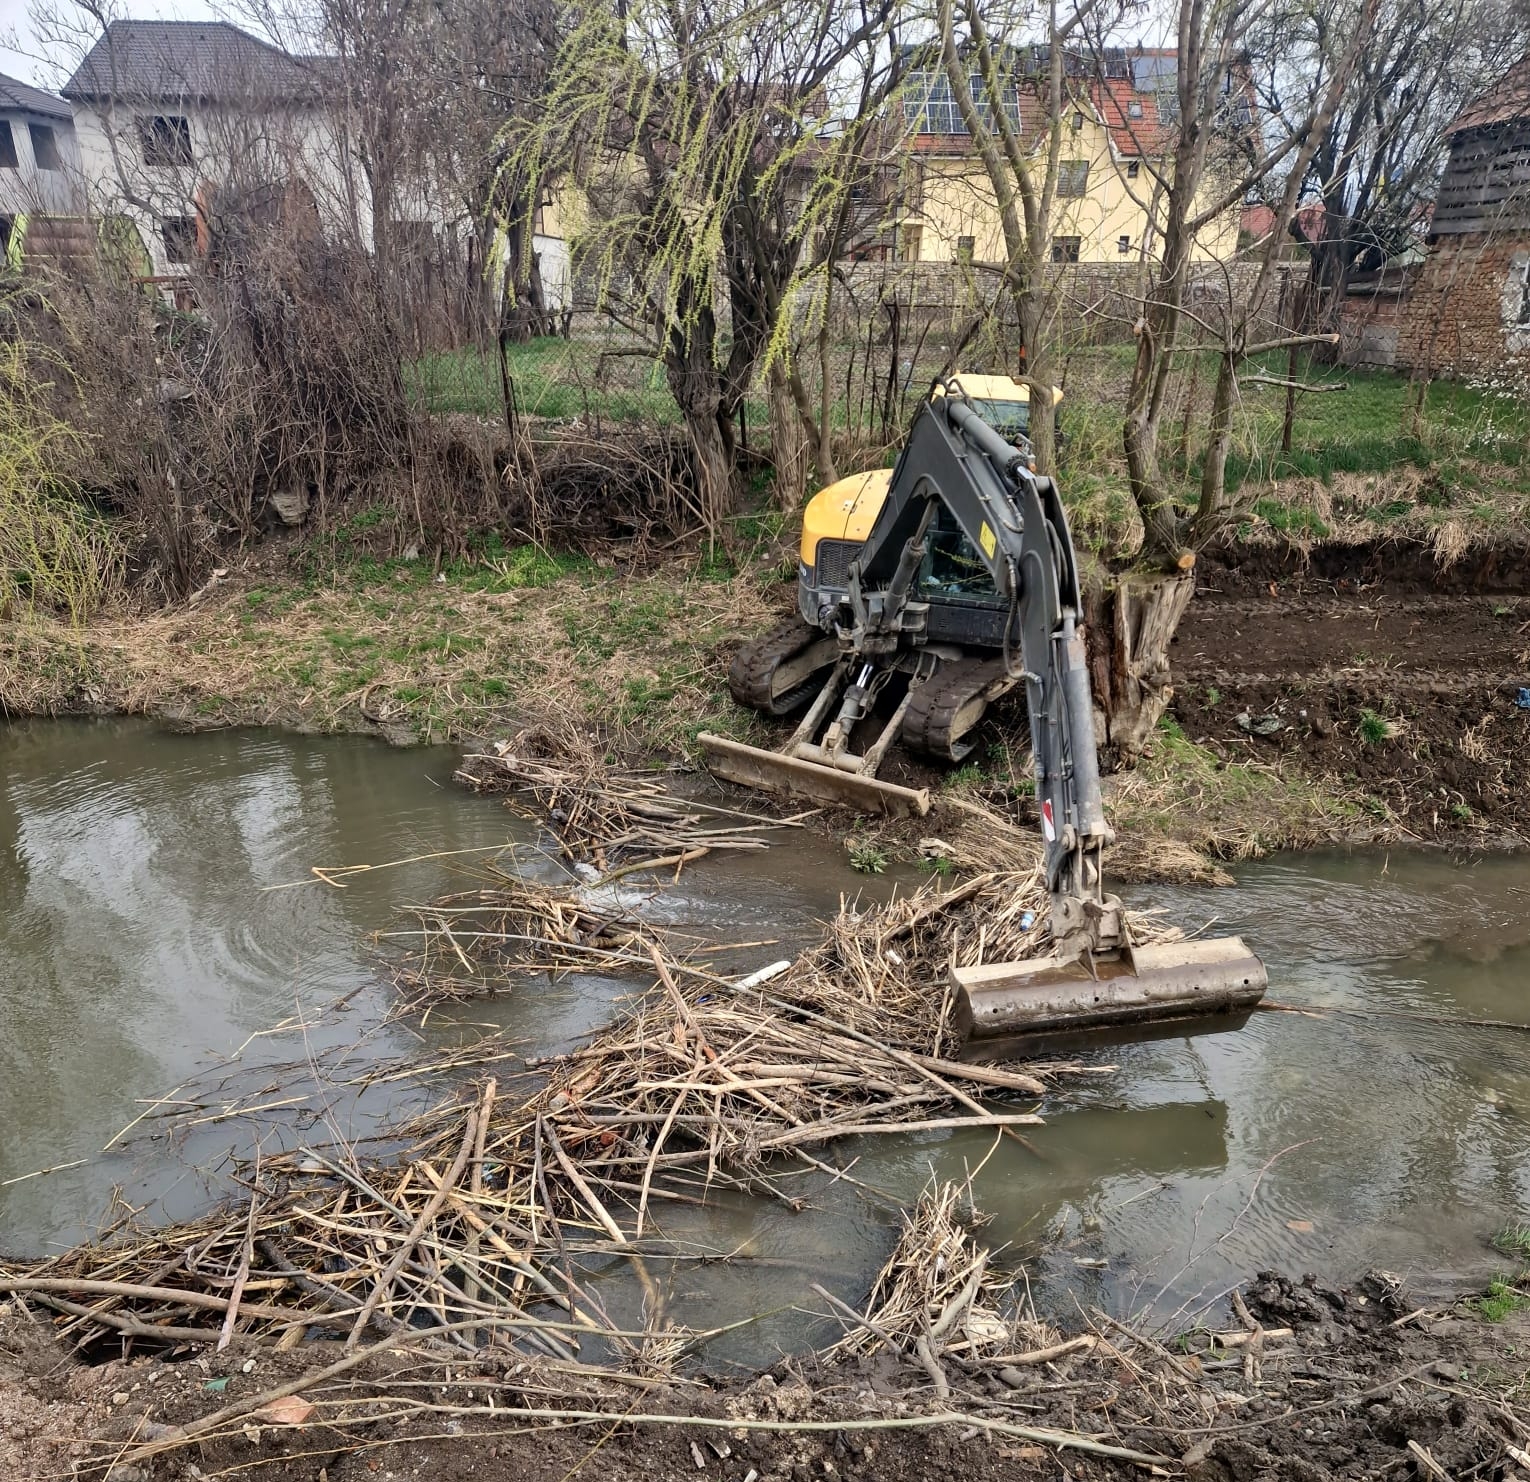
(1173, 980)
(795, 776)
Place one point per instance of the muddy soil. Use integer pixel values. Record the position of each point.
(1359, 1377)
(1372, 680)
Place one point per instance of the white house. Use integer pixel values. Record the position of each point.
(39, 156)
(184, 126)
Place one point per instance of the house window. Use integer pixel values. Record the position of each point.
(44, 147)
(1123, 243)
(165, 140)
(965, 246)
(8, 160)
(930, 108)
(1134, 108)
(1132, 169)
(912, 241)
(1072, 177)
(1524, 297)
(1065, 249)
(1078, 122)
(179, 234)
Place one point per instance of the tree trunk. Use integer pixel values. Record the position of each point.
(1036, 370)
(697, 384)
(789, 449)
(1131, 625)
(1218, 444)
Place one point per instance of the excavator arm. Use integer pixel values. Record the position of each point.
(1014, 522)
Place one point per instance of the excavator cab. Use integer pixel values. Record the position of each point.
(952, 567)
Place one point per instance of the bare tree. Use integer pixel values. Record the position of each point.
(1222, 150)
(1376, 162)
(1023, 164)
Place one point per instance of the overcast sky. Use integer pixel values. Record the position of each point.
(23, 55)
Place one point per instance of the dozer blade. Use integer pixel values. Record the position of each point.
(1176, 980)
(774, 771)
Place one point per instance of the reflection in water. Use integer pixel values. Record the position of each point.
(140, 942)
(141, 938)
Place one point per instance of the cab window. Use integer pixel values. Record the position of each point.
(1010, 419)
(951, 566)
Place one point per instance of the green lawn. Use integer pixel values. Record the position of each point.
(1466, 457)
(552, 378)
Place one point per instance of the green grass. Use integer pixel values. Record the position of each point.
(1182, 790)
(867, 858)
(1291, 519)
(1513, 1240)
(1366, 427)
(1374, 728)
(550, 378)
(1502, 1298)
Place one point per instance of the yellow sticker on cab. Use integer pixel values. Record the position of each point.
(987, 539)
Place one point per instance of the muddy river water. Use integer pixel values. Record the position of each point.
(145, 954)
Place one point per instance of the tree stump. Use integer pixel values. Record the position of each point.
(1131, 625)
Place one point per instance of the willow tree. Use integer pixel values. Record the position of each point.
(696, 135)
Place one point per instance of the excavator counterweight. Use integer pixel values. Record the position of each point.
(963, 588)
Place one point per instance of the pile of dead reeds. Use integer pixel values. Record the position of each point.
(705, 1085)
(937, 1291)
(483, 941)
(884, 968)
(939, 1300)
(477, 1226)
(480, 1223)
(607, 820)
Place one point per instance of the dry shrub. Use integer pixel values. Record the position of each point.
(279, 394)
(278, 390)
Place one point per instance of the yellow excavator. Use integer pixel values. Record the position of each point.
(925, 592)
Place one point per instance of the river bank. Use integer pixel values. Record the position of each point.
(1313, 1383)
(1348, 693)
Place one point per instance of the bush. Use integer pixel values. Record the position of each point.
(54, 552)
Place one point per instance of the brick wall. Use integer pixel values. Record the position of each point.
(1372, 314)
(1463, 315)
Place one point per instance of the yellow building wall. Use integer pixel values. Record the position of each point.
(565, 211)
(956, 200)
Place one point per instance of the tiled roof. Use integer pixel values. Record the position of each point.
(1140, 122)
(186, 60)
(15, 94)
(1506, 100)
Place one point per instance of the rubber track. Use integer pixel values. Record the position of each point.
(754, 666)
(935, 704)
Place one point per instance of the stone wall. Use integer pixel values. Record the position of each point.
(1468, 314)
